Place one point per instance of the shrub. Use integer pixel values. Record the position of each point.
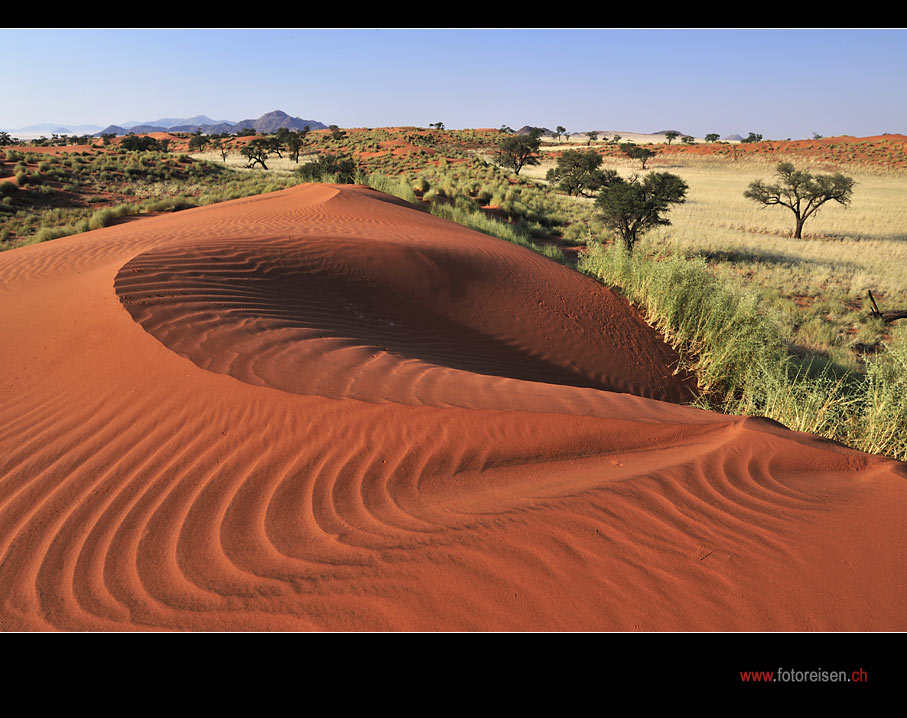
(339, 169)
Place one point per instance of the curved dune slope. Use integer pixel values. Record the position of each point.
(323, 409)
(409, 311)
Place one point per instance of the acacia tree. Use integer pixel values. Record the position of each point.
(631, 207)
(712, 137)
(274, 143)
(219, 145)
(578, 173)
(560, 131)
(197, 142)
(516, 151)
(294, 145)
(593, 136)
(801, 192)
(671, 136)
(635, 152)
(256, 152)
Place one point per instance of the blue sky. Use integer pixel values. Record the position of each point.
(779, 83)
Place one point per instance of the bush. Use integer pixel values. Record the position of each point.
(337, 169)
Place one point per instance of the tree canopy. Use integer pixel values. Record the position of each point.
(579, 173)
(635, 152)
(256, 152)
(631, 207)
(801, 192)
(197, 142)
(140, 144)
(516, 151)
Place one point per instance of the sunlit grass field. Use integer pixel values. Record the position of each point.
(816, 287)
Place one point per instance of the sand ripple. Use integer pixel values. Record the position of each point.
(323, 410)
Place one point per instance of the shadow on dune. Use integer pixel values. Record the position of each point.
(265, 305)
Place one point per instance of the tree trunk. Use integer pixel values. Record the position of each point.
(798, 231)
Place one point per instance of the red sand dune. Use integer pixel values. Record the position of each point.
(323, 409)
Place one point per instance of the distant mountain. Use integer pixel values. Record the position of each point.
(273, 121)
(112, 130)
(732, 138)
(139, 129)
(201, 121)
(169, 123)
(46, 127)
(84, 129)
(218, 129)
(268, 123)
(525, 129)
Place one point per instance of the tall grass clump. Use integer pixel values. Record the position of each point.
(396, 186)
(104, 217)
(742, 362)
(719, 332)
(884, 425)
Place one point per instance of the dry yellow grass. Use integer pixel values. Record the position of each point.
(238, 162)
(818, 285)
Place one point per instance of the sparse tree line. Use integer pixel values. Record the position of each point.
(632, 206)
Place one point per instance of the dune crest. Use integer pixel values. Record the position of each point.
(322, 409)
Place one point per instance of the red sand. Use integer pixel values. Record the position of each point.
(323, 409)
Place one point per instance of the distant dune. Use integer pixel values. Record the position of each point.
(321, 409)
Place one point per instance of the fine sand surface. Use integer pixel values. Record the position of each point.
(323, 409)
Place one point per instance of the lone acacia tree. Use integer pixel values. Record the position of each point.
(631, 207)
(801, 192)
(219, 145)
(635, 152)
(256, 152)
(516, 151)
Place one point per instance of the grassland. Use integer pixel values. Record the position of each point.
(817, 287)
(44, 197)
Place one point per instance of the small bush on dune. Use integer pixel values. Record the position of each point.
(326, 166)
(104, 217)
